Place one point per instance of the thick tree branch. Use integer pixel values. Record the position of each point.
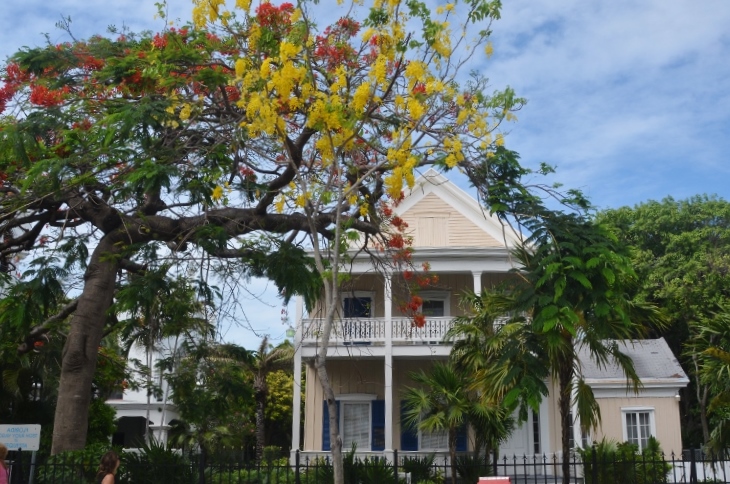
(38, 333)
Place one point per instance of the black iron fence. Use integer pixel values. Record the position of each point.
(175, 467)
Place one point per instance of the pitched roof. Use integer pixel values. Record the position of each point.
(654, 363)
(434, 195)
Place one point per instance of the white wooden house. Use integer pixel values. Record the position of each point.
(374, 347)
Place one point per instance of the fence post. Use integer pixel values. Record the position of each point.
(692, 467)
(494, 461)
(395, 464)
(20, 478)
(297, 479)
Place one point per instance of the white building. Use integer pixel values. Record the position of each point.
(374, 347)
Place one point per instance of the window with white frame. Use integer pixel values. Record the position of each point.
(436, 440)
(585, 435)
(357, 304)
(355, 422)
(435, 303)
(355, 425)
(638, 425)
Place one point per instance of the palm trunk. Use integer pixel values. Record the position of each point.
(80, 352)
(260, 423)
(703, 414)
(565, 377)
(165, 394)
(452, 453)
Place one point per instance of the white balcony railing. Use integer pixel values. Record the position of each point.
(375, 330)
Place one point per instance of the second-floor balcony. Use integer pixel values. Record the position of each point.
(377, 331)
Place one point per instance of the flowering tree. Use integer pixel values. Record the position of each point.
(244, 137)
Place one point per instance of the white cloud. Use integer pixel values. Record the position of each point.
(629, 99)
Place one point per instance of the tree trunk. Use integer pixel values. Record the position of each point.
(565, 376)
(260, 422)
(703, 413)
(80, 352)
(452, 453)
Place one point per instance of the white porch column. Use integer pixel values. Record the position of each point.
(297, 391)
(388, 313)
(477, 281)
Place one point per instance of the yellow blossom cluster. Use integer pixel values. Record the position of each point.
(392, 101)
(452, 148)
(205, 11)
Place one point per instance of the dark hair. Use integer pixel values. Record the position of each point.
(108, 463)
(3, 454)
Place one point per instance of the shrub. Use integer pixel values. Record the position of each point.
(471, 467)
(78, 466)
(622, 462)
(421, 470)
(154, 463)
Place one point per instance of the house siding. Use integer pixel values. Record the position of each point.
(357, 376)
(666, 418)
(346, 376)
(434, 223)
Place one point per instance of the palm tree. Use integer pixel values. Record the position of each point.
(266, 360)
(211, 387)
(439, 403)
(157, 308)
(570, 292)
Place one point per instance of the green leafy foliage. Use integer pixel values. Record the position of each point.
(154, 463)
(75, 466)
(213, 390)
(370, 470)
(608, 462)
(680, 250)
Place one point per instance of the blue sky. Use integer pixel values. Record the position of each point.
(630, 100)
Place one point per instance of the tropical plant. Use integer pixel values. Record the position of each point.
(421, 469)
(279, 408)
(440, 402)
(265, 361)
(212, 389)
(370, 470)
(159, 311)
(74, 466)
(607, 462)
(711, 349)
(472, 467)
(153, 462)
(680, 250)
(570, 292)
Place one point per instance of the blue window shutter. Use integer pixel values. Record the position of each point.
(408, 436)
(377, 420)
(461, 438)
(326, 424)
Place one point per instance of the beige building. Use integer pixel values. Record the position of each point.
(374, 347)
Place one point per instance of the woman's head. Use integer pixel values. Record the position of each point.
(3, 452)
(109, 463)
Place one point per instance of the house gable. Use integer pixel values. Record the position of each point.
(440, 214)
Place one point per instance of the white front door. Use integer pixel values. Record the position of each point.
(518, 443)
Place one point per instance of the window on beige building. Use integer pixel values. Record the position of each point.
(638, 425)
